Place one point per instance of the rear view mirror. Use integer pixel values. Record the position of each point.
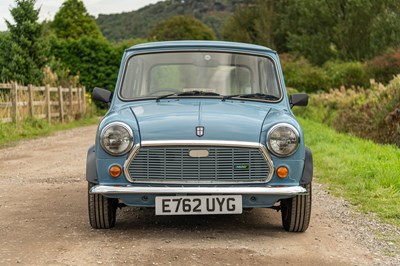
(102, 95)
(299, 99)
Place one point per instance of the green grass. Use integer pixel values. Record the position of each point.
(11, 133)
(363, 172)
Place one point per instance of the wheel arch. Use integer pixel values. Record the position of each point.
(308, 169)
(91, 172)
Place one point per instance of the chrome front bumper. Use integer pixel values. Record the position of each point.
(283, 191)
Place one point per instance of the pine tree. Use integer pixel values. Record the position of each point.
(24, 51)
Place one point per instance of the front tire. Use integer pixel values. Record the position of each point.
(296, 212)
(102, 210)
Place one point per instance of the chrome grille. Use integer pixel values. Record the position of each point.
(222, 165)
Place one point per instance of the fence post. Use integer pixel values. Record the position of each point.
(71, 110)
(78, 93)
(48, 104)
(31, 104)
(61, 104)
(84, 99)
(14, 94)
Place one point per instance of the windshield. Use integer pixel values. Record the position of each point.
(213, 74)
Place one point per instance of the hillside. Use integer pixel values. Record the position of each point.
(139, 23)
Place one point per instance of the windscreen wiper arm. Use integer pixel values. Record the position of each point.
(195, 92)
(188, 93)
(164, 96)
(252, 95)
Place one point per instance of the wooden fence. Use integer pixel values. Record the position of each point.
(20, 102)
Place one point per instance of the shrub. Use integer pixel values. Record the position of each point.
(372, 113)
(346, 74)
(383, 68)
(95, 61)
(378, 118)
(303, 76)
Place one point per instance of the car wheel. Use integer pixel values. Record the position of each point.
(102, 210)
(296, 212)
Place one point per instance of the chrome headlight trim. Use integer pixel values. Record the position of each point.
(297, 140)
(125, 127)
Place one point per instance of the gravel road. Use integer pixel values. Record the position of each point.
(43, 221)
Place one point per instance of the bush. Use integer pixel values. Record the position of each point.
(373, 113)
(383, 68)
(303, 76)
(95, 61)
(346, 74)
(378, 118)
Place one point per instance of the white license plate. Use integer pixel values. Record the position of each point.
(189, 205)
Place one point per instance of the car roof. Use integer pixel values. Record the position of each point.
(199, 44)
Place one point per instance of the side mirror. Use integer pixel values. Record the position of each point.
(300, 99)
(102, 95)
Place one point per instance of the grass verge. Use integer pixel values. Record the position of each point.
(10, 133)
(363, 172)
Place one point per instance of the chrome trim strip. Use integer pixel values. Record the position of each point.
(212, 143)
(281, 191)
(128, 162)
(268, 159)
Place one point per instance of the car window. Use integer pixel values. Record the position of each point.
(149, 75)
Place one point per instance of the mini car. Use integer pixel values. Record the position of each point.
(200, 128)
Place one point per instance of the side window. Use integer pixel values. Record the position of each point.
(133, 78)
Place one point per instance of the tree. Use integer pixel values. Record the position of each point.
(4, 46)
(182, 28)
(252, 22)
(343, 29)
(319, 30)
(73, 21)
(24, 52)
(308, 28)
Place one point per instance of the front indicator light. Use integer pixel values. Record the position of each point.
(282, 172)
(115, 171)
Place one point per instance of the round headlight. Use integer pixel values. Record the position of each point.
(116, 138)
(283, 140)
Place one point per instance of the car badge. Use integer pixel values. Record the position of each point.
(199, 131)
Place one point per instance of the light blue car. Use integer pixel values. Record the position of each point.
(200, 128)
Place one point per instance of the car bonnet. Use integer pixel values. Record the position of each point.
(200, 119)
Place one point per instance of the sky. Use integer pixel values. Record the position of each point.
(48, 8)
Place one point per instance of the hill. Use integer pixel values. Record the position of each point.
(139, 23)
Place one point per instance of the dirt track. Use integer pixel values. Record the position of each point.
(43, 221)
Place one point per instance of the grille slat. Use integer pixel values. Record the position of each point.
(158, 164)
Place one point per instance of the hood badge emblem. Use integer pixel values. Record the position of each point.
(199, 131)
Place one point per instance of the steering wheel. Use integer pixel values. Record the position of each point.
(164, 90)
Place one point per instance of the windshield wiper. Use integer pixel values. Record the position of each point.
(188, 93)
(252, 95)
(164, 96)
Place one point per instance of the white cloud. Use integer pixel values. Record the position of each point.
(48, 8)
